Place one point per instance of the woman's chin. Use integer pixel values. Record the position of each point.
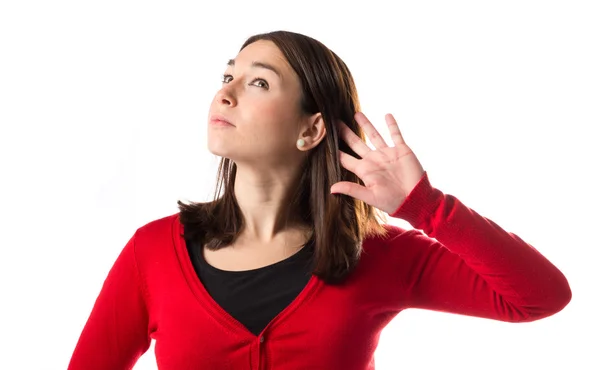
(220, 150)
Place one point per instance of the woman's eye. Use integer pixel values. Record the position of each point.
(259, 82)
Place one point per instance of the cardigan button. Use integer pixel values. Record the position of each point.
(262, 339)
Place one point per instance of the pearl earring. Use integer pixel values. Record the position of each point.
(300, 142)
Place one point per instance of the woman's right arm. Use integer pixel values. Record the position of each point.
(115, 335)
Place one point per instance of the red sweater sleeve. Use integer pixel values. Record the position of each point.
(116, 332)
(466, 264)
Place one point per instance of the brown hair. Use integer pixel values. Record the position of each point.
(340, 223)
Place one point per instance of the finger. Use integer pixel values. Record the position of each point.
(354, 190)
(354, 142)
(371, 131)
(349, 162)
(394, 130)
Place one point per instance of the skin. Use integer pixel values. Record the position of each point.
(261, 97)
(264, 108)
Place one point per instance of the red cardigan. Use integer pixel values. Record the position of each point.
(472, 267)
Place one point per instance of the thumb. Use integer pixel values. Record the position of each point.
(351, 189)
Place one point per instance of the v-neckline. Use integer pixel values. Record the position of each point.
(206, 300)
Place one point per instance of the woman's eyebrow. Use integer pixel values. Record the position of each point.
(256, 64)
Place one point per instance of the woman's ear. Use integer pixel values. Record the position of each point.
(313, 131)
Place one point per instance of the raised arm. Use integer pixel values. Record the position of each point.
(465, 263)
(472, 267)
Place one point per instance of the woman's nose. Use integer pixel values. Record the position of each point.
(226, 96)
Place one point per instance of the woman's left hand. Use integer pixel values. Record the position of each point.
(389, 173)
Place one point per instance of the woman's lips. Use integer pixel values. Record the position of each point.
(217, 120)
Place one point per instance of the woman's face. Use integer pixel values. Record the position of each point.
(260, 97)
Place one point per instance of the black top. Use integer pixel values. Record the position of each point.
(254, 297)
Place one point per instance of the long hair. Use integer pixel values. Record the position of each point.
(339, 223)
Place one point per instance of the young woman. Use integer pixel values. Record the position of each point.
(290, 266)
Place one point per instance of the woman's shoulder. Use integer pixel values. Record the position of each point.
(398, 241)
(158, 225)
(157, 234)
(392, 234)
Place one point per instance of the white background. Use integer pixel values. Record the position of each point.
(103, 110)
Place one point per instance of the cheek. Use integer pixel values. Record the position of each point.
(269, 117)
(262, 109)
